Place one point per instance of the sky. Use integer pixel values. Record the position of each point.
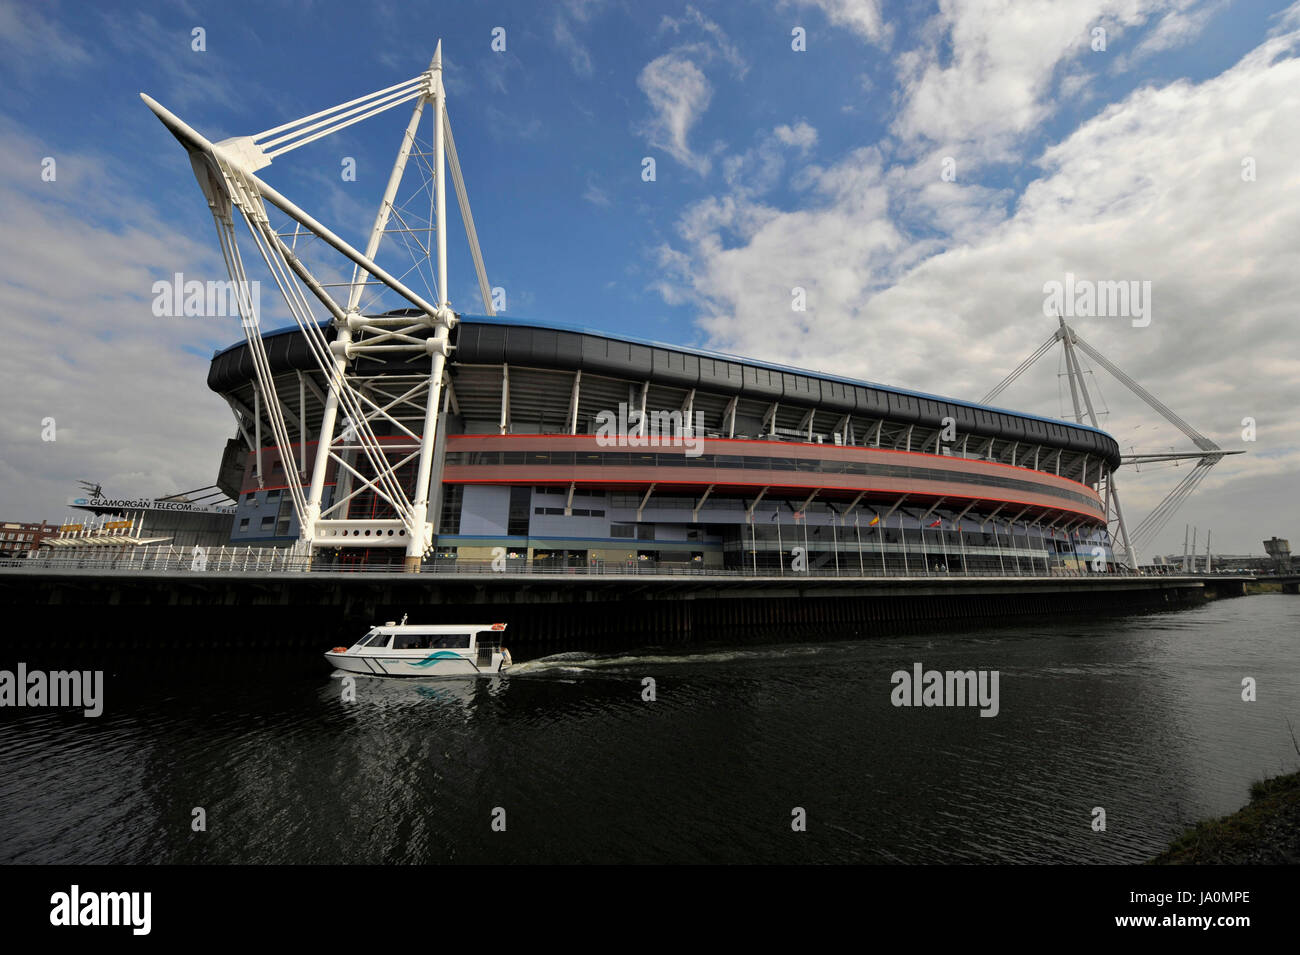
(921, 172)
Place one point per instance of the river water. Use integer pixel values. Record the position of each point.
(1141, 716)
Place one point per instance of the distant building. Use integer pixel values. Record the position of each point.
(1279, 552)
(18, 539)
(200, 517)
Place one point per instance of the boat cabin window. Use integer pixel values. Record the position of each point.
(376, 639)
(413, 641)
(449, 641)
(431, 641)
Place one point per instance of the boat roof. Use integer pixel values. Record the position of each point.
(436, 627)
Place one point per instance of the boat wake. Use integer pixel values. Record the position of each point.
(586, 662)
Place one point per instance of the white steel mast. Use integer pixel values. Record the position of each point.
(1206, 456)
(227, 174)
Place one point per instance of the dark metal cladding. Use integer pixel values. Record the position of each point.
(761, 384)
(533, 347)
(618, 359)
(988, 423)
(286, 349)
(963, 416)
(675, 368)
(837, 396)
(717, 374)
(872, 402)
(491, 343)
(488, 344)
(903, 408)
(800, 389)
(1013, 428)
(931, 413)
(1035, 431)
(568, 351)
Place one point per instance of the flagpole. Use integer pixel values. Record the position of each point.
(857, 532)
(902, 536)
(880, 538)
(807, 551)
(780, 546)
(753, 544)
(925, 558)
(835, 542)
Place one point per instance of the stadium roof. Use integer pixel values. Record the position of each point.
(706, 353)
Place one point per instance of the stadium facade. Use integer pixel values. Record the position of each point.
(568, 447)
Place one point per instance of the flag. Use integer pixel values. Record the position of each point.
(874, 521)
(937, 523)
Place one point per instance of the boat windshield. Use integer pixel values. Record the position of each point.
(375, 638)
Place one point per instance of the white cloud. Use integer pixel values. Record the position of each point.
(758, 169)
(677, 88)
(928, 284)
(82, 346)
(800, 134)
(992, 86)
(678, 93)
(711, 40)
(1178, 26)
(863, 17)
(189, 77)
(596, 195)
(1287, 20)
(579, 56)
(31, 42)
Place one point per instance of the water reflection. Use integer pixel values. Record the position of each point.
(454, 693)
(1139, 715)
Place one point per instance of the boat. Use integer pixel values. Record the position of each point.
(426, 650)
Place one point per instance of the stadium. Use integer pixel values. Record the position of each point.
(410, 433)
(571, 448)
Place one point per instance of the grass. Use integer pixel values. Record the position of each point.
(1265, 831)
(1263, 587)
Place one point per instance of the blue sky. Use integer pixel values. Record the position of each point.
(551, 131)
(774, 169)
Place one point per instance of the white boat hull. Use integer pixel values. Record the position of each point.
(424, 663)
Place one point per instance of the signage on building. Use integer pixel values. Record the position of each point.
(101, 504)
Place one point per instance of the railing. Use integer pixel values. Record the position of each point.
(252, 560)
(171, 558)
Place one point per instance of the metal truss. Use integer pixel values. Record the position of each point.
(1207, 454)
(404, 407)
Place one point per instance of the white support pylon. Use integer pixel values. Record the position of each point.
(1207, 454)
(227, 174)
(438, 344)
(1077, 381)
